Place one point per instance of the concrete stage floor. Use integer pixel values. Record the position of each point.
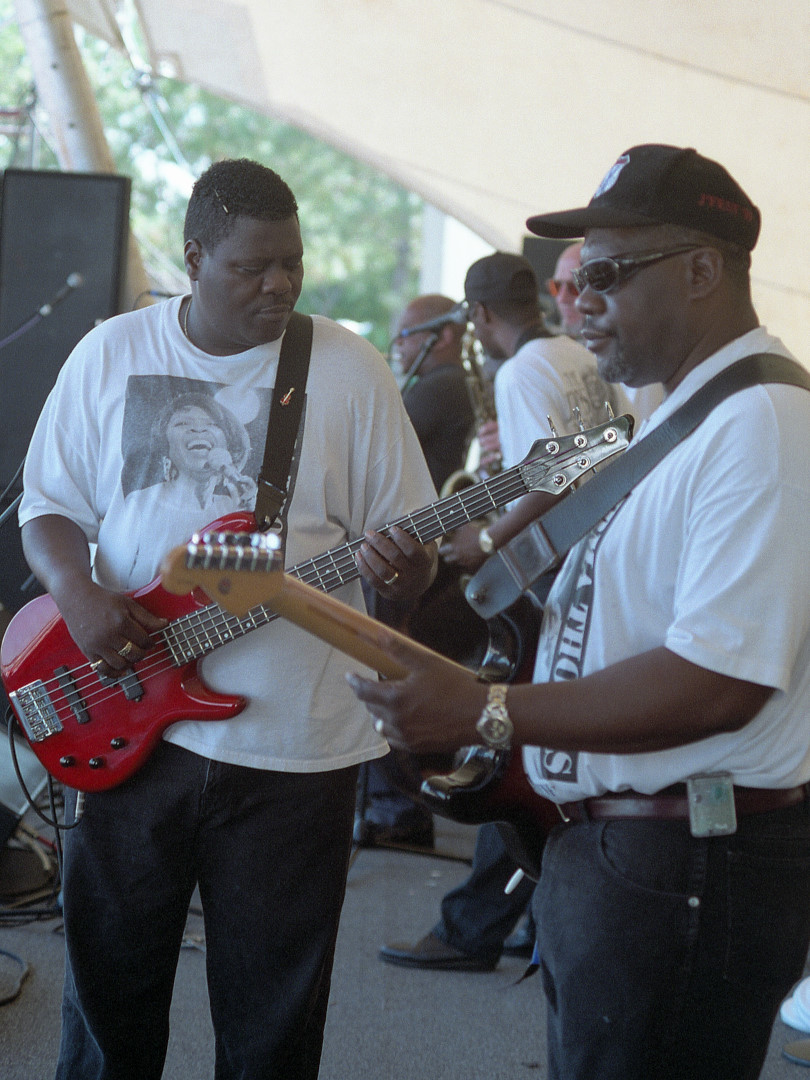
(385, 1023)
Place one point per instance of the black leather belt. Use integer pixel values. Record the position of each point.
(671, 803)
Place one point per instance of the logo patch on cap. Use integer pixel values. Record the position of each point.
(612, 176)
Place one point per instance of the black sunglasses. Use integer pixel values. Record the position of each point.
(603, 274)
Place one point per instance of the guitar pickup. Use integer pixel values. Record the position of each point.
(128, 681)
(72, 695)
(35, 711)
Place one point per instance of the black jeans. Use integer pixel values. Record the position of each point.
(667, 956)
(269, 852)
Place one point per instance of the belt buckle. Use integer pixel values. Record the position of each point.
(712, 811)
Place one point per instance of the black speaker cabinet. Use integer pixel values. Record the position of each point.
(543, 255)
(62, 260)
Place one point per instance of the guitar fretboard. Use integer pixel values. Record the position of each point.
(200, 632)
(551, 466)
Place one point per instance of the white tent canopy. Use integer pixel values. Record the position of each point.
(493, 110)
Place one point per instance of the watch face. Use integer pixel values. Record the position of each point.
(495, 731)
(498, 730)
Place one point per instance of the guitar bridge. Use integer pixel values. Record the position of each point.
(35, 711)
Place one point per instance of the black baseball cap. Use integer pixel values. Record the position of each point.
(654, 184)
(500, 276)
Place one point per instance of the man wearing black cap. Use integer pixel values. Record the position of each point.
(668, 717)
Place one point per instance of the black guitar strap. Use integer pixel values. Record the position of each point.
(285, 419)
(541, 546)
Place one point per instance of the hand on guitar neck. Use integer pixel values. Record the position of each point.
(462, 547)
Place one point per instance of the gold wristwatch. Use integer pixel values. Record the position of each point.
(494, 725)
(485, 542)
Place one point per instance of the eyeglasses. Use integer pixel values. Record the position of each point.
(603, 274)
(556, 287)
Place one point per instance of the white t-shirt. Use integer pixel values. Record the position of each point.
(549, 377)
(121, 444)
(708, 557)
(644, 400)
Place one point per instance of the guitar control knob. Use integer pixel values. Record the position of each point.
(96, 762)
(67, 761)
(118, 743)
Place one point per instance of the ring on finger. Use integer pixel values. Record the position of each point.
(127, 650)
(96, 664)
(392, 579)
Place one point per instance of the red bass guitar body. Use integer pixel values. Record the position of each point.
(92, 733)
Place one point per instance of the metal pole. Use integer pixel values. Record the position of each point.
(64, 89)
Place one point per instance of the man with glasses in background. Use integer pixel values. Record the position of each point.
(564, 292)
(668, 713)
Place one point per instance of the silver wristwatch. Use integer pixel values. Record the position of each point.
(494, 725)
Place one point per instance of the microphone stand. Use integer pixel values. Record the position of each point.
(74, 281)
(414, 370)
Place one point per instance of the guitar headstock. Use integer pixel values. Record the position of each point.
(225, 565)
(237, 570)
(554, 464)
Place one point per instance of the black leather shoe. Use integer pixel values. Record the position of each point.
(433, 955)
(372, 834)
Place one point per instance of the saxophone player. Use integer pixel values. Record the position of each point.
(426, 356)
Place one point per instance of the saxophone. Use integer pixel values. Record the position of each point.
(482, 399)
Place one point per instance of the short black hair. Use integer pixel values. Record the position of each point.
(234, 188)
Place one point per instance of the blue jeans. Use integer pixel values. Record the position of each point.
(667, 956)
(270, 854)
(477, 916)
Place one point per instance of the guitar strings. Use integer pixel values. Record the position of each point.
(447, 513)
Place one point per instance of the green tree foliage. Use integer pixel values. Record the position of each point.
(361, 230)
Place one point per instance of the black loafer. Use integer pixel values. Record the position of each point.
(371, 834)
(433, 955)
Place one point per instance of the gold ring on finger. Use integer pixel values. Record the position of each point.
(127, 650)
